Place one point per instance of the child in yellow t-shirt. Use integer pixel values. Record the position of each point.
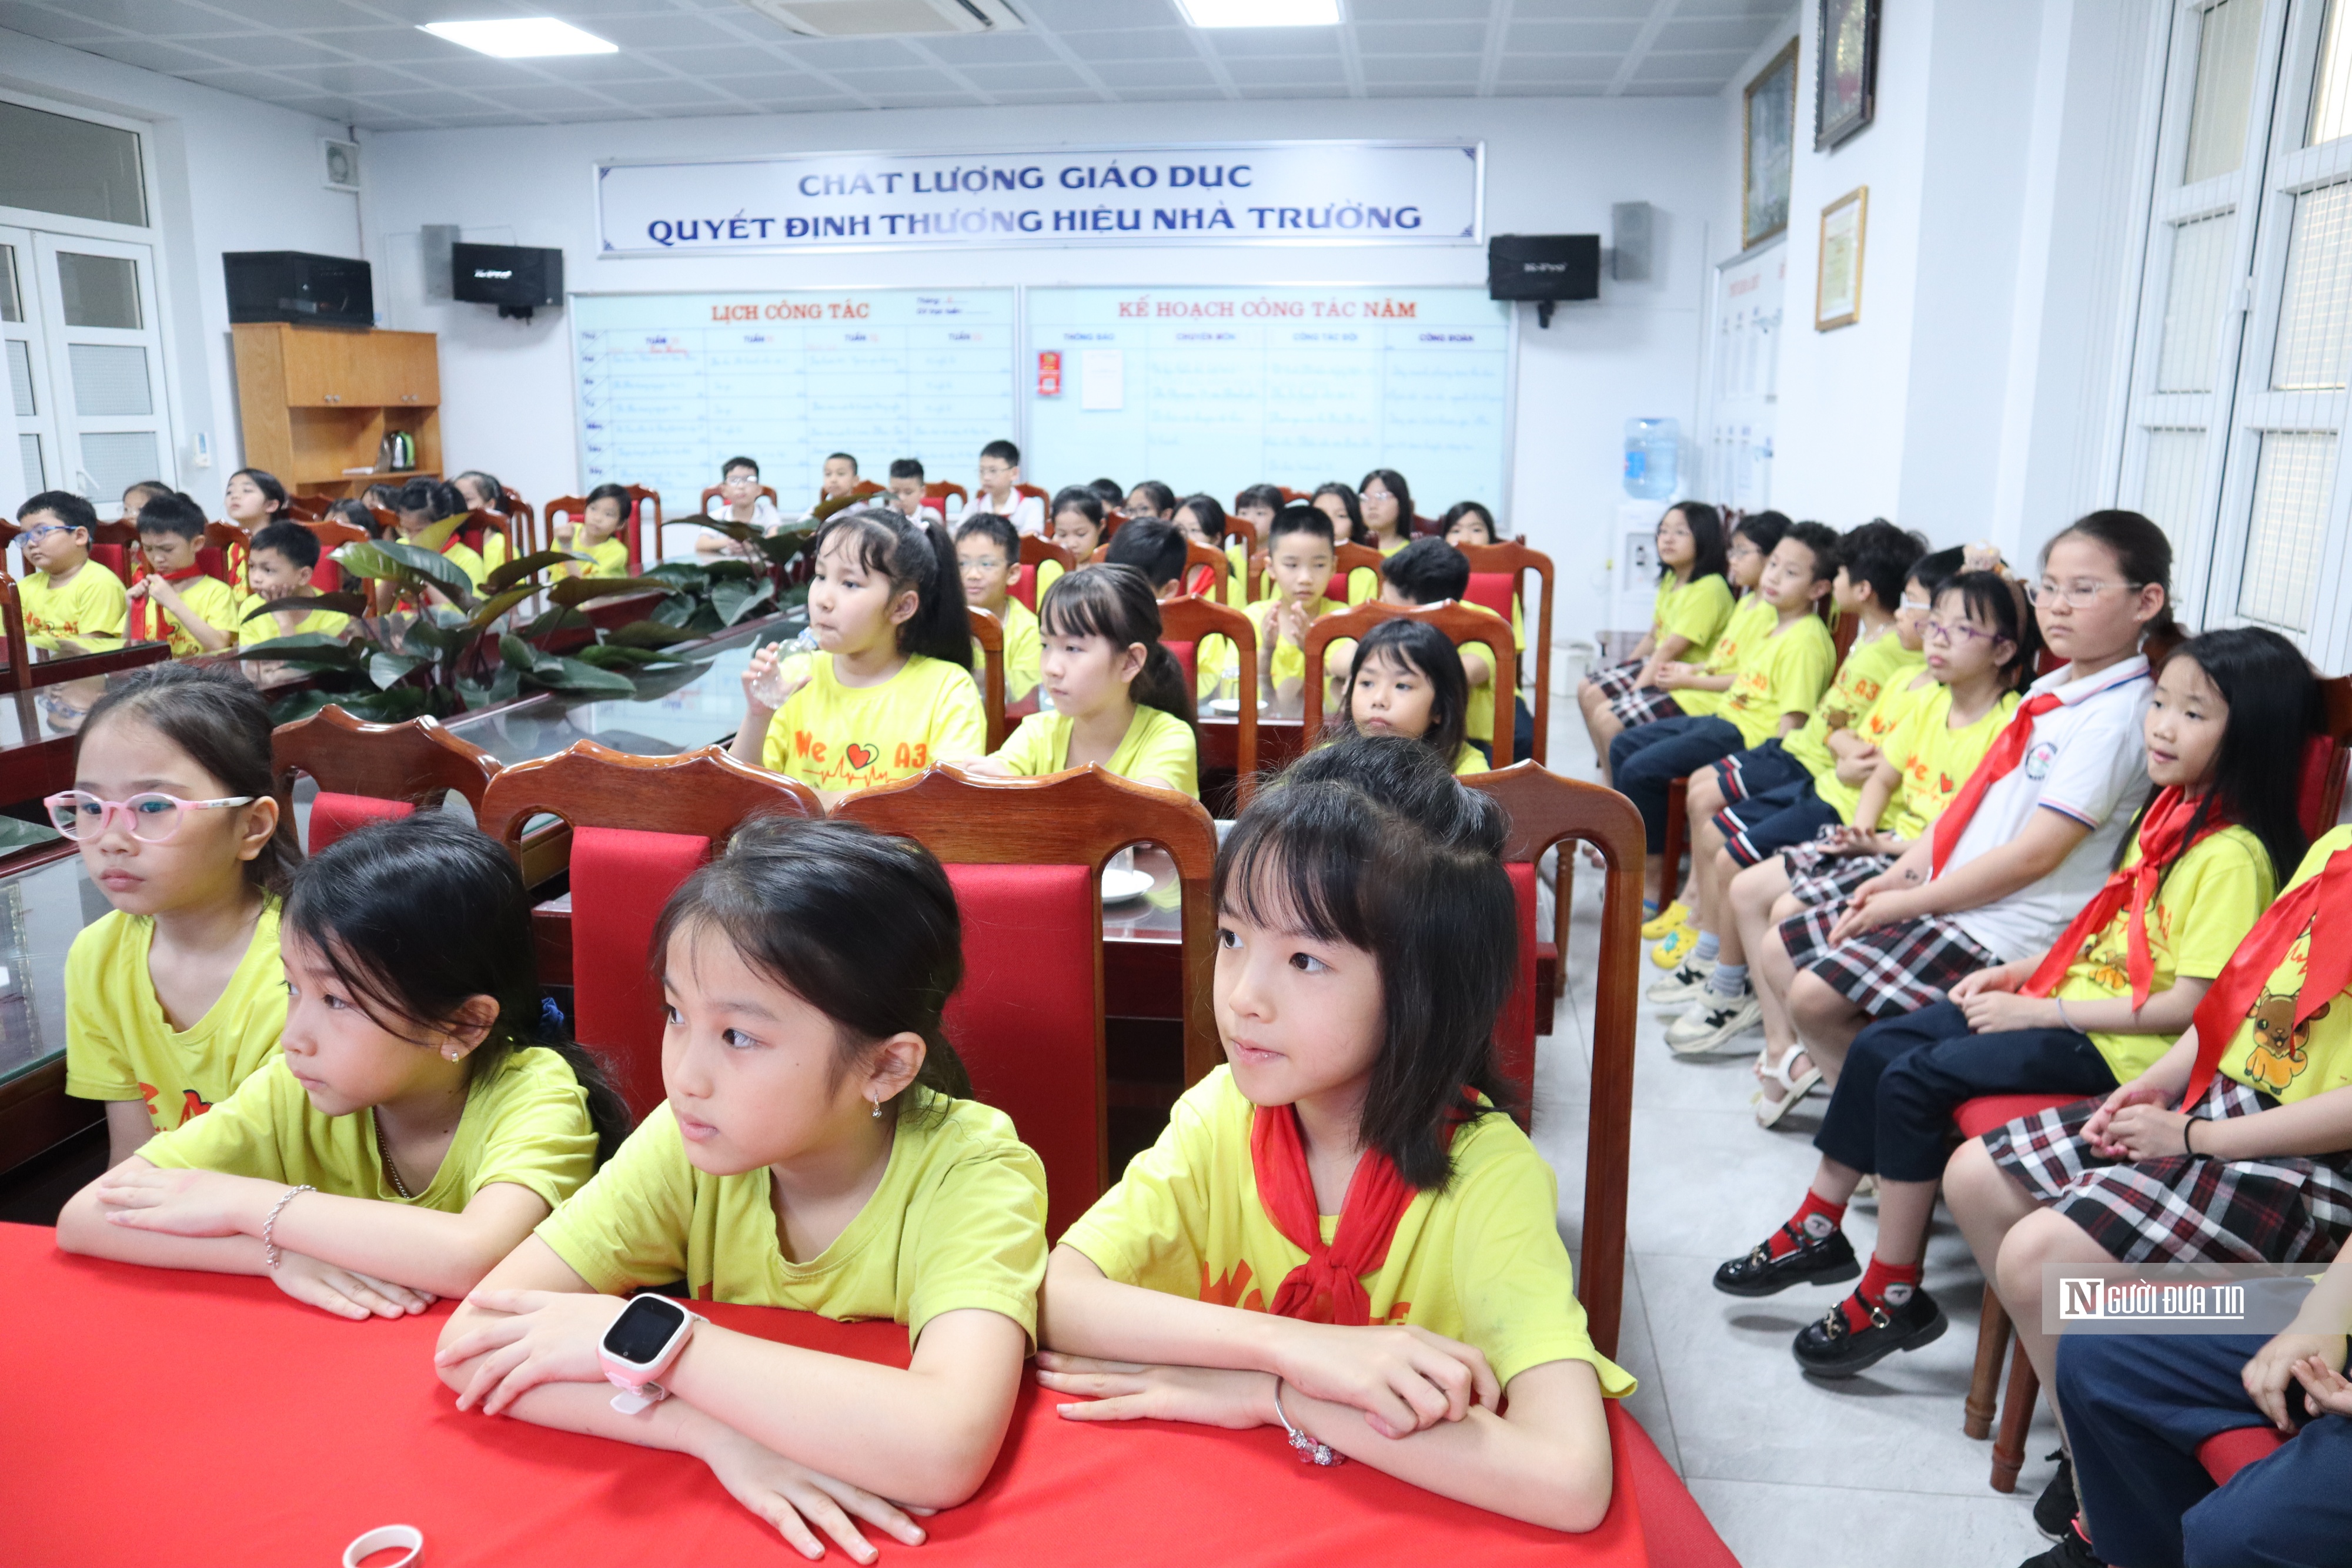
(1118, 696)
(429, 515)
(284, 556)
(1079, 523)
(1202, 520)
(176, 601)
(819, 1151)
(1431, 571)
(1407, 680)
(70, 606)
(174, 998)
(1299, 552)
(1694, 601)
(596, 534)
(1395, 1337)
(414, 1129)
(892, 692)
(987, 552)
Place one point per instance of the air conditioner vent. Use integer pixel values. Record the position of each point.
(889, 19)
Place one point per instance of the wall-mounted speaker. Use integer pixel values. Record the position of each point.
(1629, 242)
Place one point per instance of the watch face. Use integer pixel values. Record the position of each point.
(643, 1327)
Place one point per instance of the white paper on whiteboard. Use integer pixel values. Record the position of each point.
(1102, 379)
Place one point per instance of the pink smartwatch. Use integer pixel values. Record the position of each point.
(640, 1346)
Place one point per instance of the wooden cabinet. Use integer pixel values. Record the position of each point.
(317, 401)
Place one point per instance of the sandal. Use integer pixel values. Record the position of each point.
(1793, 1086)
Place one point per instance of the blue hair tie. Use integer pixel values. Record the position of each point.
(551, 1017)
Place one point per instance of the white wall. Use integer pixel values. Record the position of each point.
(230, 174)
(1553, 166)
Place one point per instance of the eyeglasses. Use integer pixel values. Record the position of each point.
(151, 818)
(982, 563)
(44, 531)
(1956, 631)
(2079, 594)
(1918, 606)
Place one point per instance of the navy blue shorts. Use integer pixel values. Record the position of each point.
(1759, 770)
(1762, 826)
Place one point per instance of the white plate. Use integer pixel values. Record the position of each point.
(1122, 886)
(1225, 707)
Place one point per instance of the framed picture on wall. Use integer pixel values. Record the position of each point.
(1766, 145)
(340, 165)
(1837, 276)
(1845, 83)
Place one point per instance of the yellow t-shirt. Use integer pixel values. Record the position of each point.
(2204, 908)
(1781, 672)
(267, 628)
(1893, 706)
(959, 1221)
(120, 1046)
(1750, 619)
(92, 607)
(1478, 711)
(494, 555)
(208, 599)
(1157, 746)
(525, 1122)
(1870, 669)
(1481, 1262)
(1025, 652)
(1935, 759)
(1470, 759)
(1694, 611)
(1217, 659)
(832, 737)
(2268, 1051)
(610, 559)
(442, 537)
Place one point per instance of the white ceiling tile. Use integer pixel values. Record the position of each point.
(1245, 72)
(292, 15)
(1741, 33)
(1524, 37)
(896, 81)
(665, 30)
(735, 60)
(1246, 43)
(1584, 10)
(850, 54)
(152, 18)
(53, 23)
(1425, 69)
(992, 49)
(171, 59)
(1089, 16)
(268, 51)
(601, 68)
(1559, 67)
(1421, 10)
(1139, 44)
(1421, 38)
(1013, 78)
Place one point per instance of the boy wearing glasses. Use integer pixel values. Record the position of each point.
(1000, 477)
(70, 606)
(987, 552)
(738, 500)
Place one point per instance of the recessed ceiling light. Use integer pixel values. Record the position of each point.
(521, 38)
(1260, 13)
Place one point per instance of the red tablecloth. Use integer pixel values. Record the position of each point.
(160, 1417)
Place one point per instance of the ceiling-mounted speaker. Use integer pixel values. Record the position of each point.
(1629, 242)
(889, 19)
(439, 240)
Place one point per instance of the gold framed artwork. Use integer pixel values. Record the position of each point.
(1768, 141)
(1837, 270)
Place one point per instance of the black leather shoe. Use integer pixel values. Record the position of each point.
(1824, 1261)
(1830, 1349)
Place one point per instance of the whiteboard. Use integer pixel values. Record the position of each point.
(1215, 388)
(1744, 378)
(669, 386)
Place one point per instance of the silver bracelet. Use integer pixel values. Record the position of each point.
(1310, 1452)
(2063, 1019)
(269, 1250)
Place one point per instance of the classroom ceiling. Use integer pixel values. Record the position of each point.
(363, 62)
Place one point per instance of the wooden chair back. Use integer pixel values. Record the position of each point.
(710, 490)
(2324, 782)
(988, 632)
(1027, 857)
(115, 545)
(639, 827)
(526, 518)
(368, 772)
(642, 499)
(940, 490)
(1346, 561)
(1183, 625)
(1516, 562)
(1547, 811)
(11, 632)
(307, 508)
(230, 546)
(1242, 531)
(1218, 581)
(1460, 623)
(480, 526)
(1036, 551)
(1113, 520)
(1032, 490)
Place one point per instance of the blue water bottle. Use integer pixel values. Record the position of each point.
(1653, 449)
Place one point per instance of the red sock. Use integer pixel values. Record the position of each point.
(1877, 1281)
(1833, 1215)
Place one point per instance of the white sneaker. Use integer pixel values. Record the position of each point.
(1715, 1020)
(1682, 984)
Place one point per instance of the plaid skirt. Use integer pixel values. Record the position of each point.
(1816, 876)
(2180, 1209)
(1888, 969)
(1645, 706)
(1617, 680)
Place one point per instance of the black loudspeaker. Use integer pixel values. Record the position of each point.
(516, 278)
(295, 286)
(1543, 267)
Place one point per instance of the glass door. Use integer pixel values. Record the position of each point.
(34, 415)
(106, 363)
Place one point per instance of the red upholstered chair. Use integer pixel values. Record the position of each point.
(1349, 560)
(115, 545)
(708, 492)
(479, 525)
(326, 576)
(1027, 857)
(225, 549)
(2327, 758)
(940, 490)
(1184, 623)
(1036, 551)
(1036, 490)
(1547, 811)
(639, 826)
(12, 630)
(1500, 573)
(1460, 623)
(309, 508)
(373, 772)
(1209, 572)
(988, 632)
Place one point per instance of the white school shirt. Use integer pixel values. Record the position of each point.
(764, 518)
(2088, 759)
(1028, 516)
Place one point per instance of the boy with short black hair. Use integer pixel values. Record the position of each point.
(1430, 571)
(839, 478)
(999, 490)
(70, 606)
(278, 565)
(1153, 547)
(907, 489)
(1301, 553)
(988, 554)
(176, 601)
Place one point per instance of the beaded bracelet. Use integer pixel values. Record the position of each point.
(269, 1248)
(1310, 1452)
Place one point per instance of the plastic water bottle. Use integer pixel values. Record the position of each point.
(785, 676)
(1652, 457)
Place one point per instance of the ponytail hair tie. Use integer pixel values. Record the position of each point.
(550, 1019)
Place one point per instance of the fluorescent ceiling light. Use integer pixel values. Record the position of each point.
(522, 38)
(1260, 13)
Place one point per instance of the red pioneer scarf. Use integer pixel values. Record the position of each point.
(2250, 968)
(139, 611)
(2007, 751)
(2163, 839)
(1327, 1287)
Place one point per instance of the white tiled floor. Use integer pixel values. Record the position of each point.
(1792, 1471)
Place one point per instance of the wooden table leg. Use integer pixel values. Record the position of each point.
(1984, 1383)
(2016, 1415)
